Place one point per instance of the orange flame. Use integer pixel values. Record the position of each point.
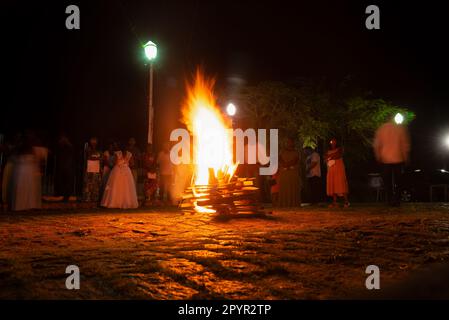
(213, 142)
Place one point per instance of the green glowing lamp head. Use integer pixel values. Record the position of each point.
(150, 50)
(399, 118)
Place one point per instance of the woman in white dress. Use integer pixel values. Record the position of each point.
(25, 185)
(120, 190)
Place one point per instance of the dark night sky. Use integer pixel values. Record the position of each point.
(94, 80)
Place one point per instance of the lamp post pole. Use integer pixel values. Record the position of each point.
(150, 108)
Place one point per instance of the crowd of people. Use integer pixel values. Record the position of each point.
(21, 179)
(116, 176)
(110, 178)
(286, 186)
(391, 148)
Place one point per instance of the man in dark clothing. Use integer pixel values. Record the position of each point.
(64, 166)
(313, 174)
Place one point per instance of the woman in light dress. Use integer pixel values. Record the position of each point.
(120, 190)
(337, 185)
(25, 185)
(108, 163)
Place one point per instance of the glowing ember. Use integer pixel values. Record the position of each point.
(213, 140)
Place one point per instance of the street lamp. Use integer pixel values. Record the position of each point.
(398, 118)
(231, 110)
(151, 54)
(150, 50)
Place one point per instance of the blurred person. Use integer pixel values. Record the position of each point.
(40, 151)
(251, 171)
(337, 184)
(274, 181)
(150, 178)
(261, 181)
(182, 179)
(166, 173)
(25, 182)
(10, 157)
(64, 168)
(289, 179)
(120, 190)
(92, 171)
(108, 163)
(313, 174)
(2, 152)
(2, 158)
(135, 163)
(391, 148)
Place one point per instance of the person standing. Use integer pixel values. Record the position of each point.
(26, 189)
(166, 173)
(313, 174)
(337, 184)
(182, 178)
(92, 172)
(289, 183)
(120, 190)
(135, 163)
(2, 157)
(274, 189)
(150, 179)
(108, 163)
(64, 166)
(11, 153)
(391, 148)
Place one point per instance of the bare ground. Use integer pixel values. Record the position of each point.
(303, 253)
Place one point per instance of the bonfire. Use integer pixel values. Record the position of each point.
(214, 187)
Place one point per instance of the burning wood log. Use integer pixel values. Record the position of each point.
(239, 196)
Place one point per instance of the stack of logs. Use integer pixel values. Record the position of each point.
(238, 196)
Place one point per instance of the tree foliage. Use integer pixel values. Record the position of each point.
(313, 114)
(276, 105)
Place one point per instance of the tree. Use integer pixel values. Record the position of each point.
(313, 112)
(276, 105)
(359, 120)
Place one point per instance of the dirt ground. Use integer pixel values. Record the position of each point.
(303, 253)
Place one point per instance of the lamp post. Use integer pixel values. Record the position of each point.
(151, 54)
